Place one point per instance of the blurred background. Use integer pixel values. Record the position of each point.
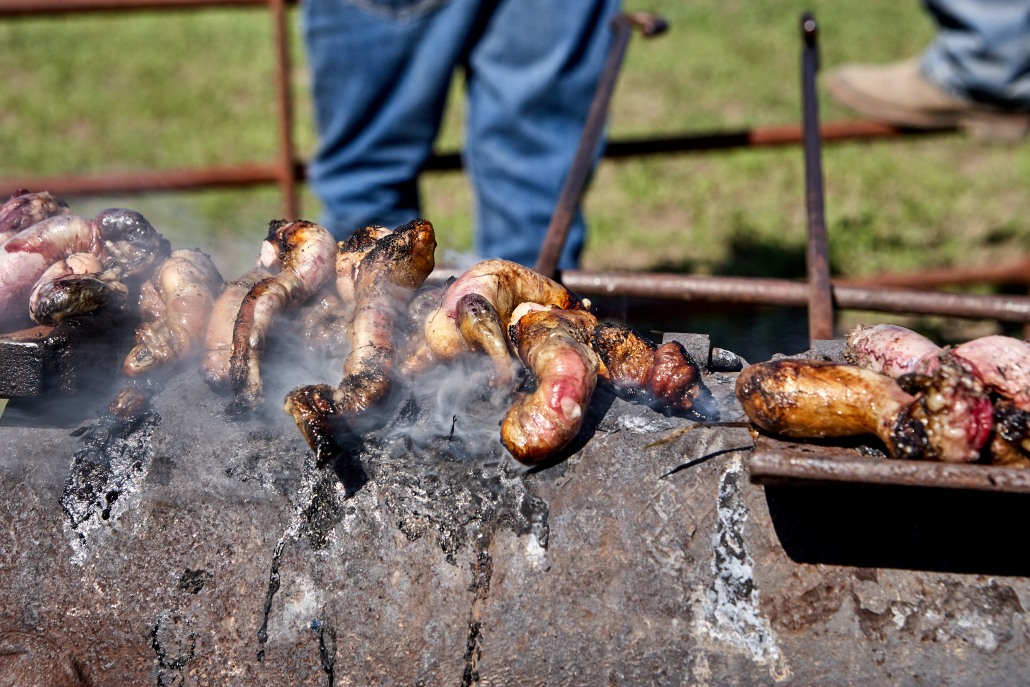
(111, 92)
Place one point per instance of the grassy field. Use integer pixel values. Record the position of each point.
(162, 90)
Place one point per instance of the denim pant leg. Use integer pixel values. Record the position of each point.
(982, 51)
(531, 77)
(380, 71)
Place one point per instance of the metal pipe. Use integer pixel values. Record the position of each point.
(789, 293)
(139, 182)
(1008, 273)
(794, 467)
(284, 105)
(558, 228)
(820, 303)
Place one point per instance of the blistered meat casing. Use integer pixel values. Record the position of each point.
(186, 282)
(1002, 363)
(626, 357)
(953, 405)
(25, 209)
(505, 285)
(306, 253)
(481, 330)
(214, 368)
(662, 376)
(350, 253)
(891, 350)
(151, 305)
(554, 345)
(25, 257)
(131, 245)
(815, 399)
(75, 286)
(675, 379)
(386, 281)
(810, 399)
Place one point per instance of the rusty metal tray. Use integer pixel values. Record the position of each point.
(787, 463)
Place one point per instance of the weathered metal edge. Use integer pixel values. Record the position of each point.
(786, 467)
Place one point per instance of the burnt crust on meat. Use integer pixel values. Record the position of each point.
(663, 377)
(385, 281)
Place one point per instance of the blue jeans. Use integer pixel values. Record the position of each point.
(381, 71)
(982, 51)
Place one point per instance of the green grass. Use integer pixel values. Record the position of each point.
(95, 93)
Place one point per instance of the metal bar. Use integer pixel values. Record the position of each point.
(139, 182)
(757, 137)
(558, 228)
(284, 104)
(820, 303)
(21, 8)
(788, 293)
(1008, 273)
(788, 467)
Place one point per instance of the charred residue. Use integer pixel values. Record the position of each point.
(174, 644)
(192, 581)
(111, 467)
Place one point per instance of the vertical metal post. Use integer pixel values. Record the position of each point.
(820, 299)
(561, 220)
(284, 106)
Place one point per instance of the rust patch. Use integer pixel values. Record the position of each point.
(815, 605)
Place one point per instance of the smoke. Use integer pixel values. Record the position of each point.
(461, 261)
(459, 412)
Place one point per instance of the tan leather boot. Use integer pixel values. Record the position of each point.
(899, 94)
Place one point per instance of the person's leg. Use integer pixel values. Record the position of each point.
(380, 71)
(531, 77)
(982, 51)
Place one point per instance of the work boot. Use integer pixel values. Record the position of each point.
(899, 94)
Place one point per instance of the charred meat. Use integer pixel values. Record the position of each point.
(124, 242)
(349, 255)
(661, 376)
(74, 286)
(949, 420)
(554, 344)
(25, 209)
(305, 253)
(502, 284)
(186, 283)
(214, 368)
(387, 279)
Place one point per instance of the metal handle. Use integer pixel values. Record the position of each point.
(572, 191)
(820, 297)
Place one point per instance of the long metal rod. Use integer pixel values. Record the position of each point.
(284, 102)
(782, 292)
(244, 175)
(820, 304)
(558, 228)
(789, 467)
(138, 182)
(1016, 272)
